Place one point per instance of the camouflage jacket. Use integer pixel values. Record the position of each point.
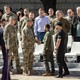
(10, 35)
(27, 38)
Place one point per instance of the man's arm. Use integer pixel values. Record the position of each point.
(67, 25)
(46, 41)
(35, 27)
(57, 44)
(5, 35)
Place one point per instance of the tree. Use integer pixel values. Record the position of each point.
(49, 4)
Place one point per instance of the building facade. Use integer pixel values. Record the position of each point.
(33, 5)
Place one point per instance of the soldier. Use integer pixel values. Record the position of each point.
(7, 13)
(51, 16)
(48, 51)
(66, 25)
(69, 17)
(27, 47)
(11, 42)
(23, 20)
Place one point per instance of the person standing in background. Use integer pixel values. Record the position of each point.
(65, 27)
(69, 17)
(75, 31)
(39, 24)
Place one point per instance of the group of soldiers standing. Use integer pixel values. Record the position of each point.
(11, 29)
(31, 29)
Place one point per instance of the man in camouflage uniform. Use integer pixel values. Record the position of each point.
(23, 20)
(11, 42)
(7, 13)
(66, 25)
(27, 47)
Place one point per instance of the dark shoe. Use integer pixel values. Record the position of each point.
(66, 74)
(46, 74)
(19, 71)
(52, 74)
(59, 76)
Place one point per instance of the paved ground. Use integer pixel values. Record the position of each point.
(74, 75)
(21, 77)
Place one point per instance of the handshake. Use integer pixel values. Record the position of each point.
(37, 41)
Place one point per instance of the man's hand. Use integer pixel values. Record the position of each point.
(37, 41)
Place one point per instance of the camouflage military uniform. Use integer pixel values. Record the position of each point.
(7, 16)
(22, 23)
(27, 48)
(11, 40)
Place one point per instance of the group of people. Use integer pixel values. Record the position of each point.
(38, 30)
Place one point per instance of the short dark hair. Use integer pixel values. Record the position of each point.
(59, 23)
(41, 9)
(47, 26)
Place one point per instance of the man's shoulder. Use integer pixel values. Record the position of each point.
(48, 33)
(7, 25)
(3, 15)
(46, 17)
(23, 18)
(61, 32)
(25, 29)
(37, 18)
(12, 13)
(54, 20)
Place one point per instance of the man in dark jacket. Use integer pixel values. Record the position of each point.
(48, 51)
(76, 26)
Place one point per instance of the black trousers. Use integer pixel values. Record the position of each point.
(61, 63)
(48, 57)
(5, 70)
(2, 44)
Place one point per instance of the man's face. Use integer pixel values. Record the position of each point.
(12, 22)
(31, 15)
(70, 13)
(29, 24)
(3, 23)
(58, 28)
(59, 15)
(51, 12)
(7, 10)
(26, 12)
(41, 12)
(78, 12)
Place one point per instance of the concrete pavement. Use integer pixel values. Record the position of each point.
(21, 77)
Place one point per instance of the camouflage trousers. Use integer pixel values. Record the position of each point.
(13, 50)
(27, 60)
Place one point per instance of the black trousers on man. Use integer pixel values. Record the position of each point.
(5, 70)
(61, 63)
(48, 57)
